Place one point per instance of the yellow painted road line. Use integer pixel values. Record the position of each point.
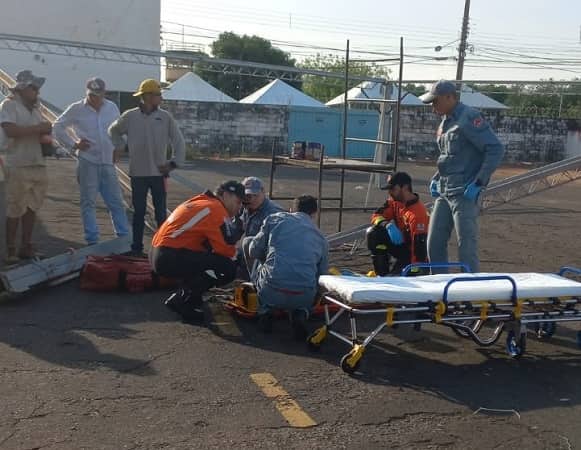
(289, 409)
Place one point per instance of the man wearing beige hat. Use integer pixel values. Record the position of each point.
(26, 178)
(83, 127)
(149, 130)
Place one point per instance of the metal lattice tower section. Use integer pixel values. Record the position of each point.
(32, 44)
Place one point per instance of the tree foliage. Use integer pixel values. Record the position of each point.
(324, 88)
(246, 48)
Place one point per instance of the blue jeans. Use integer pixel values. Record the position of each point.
(139, 189)
(102, 179)
(454, 213)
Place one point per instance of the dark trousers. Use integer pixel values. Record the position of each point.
(382, 249)
(192, 267)
(139, 188)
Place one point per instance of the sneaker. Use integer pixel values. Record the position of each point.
(299, 319)
(265, 322)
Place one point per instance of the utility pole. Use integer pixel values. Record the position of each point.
(462, 47)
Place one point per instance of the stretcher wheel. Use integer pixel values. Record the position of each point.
(516, 345)
(545, 330)
(351, 361)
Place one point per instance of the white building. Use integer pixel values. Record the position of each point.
(119, 23)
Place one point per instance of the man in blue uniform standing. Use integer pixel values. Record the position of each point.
(469, 153)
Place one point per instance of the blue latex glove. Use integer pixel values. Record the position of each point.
(434, 190)
(394, 234)
(472, 191)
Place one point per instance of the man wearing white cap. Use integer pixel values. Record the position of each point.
(83, 128)
(26, 178)
(257, 207)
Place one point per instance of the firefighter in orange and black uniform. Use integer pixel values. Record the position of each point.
(197, 244)
(399, 228)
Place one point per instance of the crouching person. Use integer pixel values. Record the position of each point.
(291, 254)
(399, 228)
(197, 244)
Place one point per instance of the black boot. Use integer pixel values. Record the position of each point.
(192, 309)
(380, 265)
(176, 299)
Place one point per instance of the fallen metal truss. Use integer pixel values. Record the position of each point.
(31, 44)
(499, 192)
(532, 182)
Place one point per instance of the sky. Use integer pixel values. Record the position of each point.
(508, 40)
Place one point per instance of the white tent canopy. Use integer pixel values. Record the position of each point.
(374, 90)
(191, 87)
(277, 92)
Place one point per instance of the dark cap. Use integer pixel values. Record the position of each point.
(397, 179)
(95, 86)
(232, 186)
(26, 78)
(442, 87)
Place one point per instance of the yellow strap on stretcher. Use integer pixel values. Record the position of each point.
(440, 310)
(390, 316)
(484, 310)
(517, 311)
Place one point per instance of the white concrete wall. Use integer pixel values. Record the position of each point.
(122, 23)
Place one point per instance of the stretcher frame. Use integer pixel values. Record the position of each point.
(465, 318)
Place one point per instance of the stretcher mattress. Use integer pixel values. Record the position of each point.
(399, 290)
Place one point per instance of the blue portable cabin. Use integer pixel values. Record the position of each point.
(325, 125)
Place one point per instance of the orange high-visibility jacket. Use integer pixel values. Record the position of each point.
(200, 224)
(412, 219)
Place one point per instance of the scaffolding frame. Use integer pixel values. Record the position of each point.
(344, 163)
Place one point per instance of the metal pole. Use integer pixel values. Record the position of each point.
(380, 149)
(397, 113)
(320, 186)
(462, 47)
(272, 169)
(344, 142)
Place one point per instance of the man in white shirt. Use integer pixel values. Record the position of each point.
(83, 128)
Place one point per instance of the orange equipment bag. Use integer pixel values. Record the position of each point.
(245, 302)
(121, 273)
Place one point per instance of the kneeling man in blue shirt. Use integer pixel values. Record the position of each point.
(292, 253)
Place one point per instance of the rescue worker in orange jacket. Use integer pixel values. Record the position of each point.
(399, 228)
(197, 244)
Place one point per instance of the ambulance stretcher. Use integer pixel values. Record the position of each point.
(461, 301)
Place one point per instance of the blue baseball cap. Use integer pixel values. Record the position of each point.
(442, 87)
(252, 185)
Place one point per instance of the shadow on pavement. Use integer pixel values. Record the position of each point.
(63, 326)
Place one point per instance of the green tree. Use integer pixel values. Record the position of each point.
(324, 88)
(245, 48)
